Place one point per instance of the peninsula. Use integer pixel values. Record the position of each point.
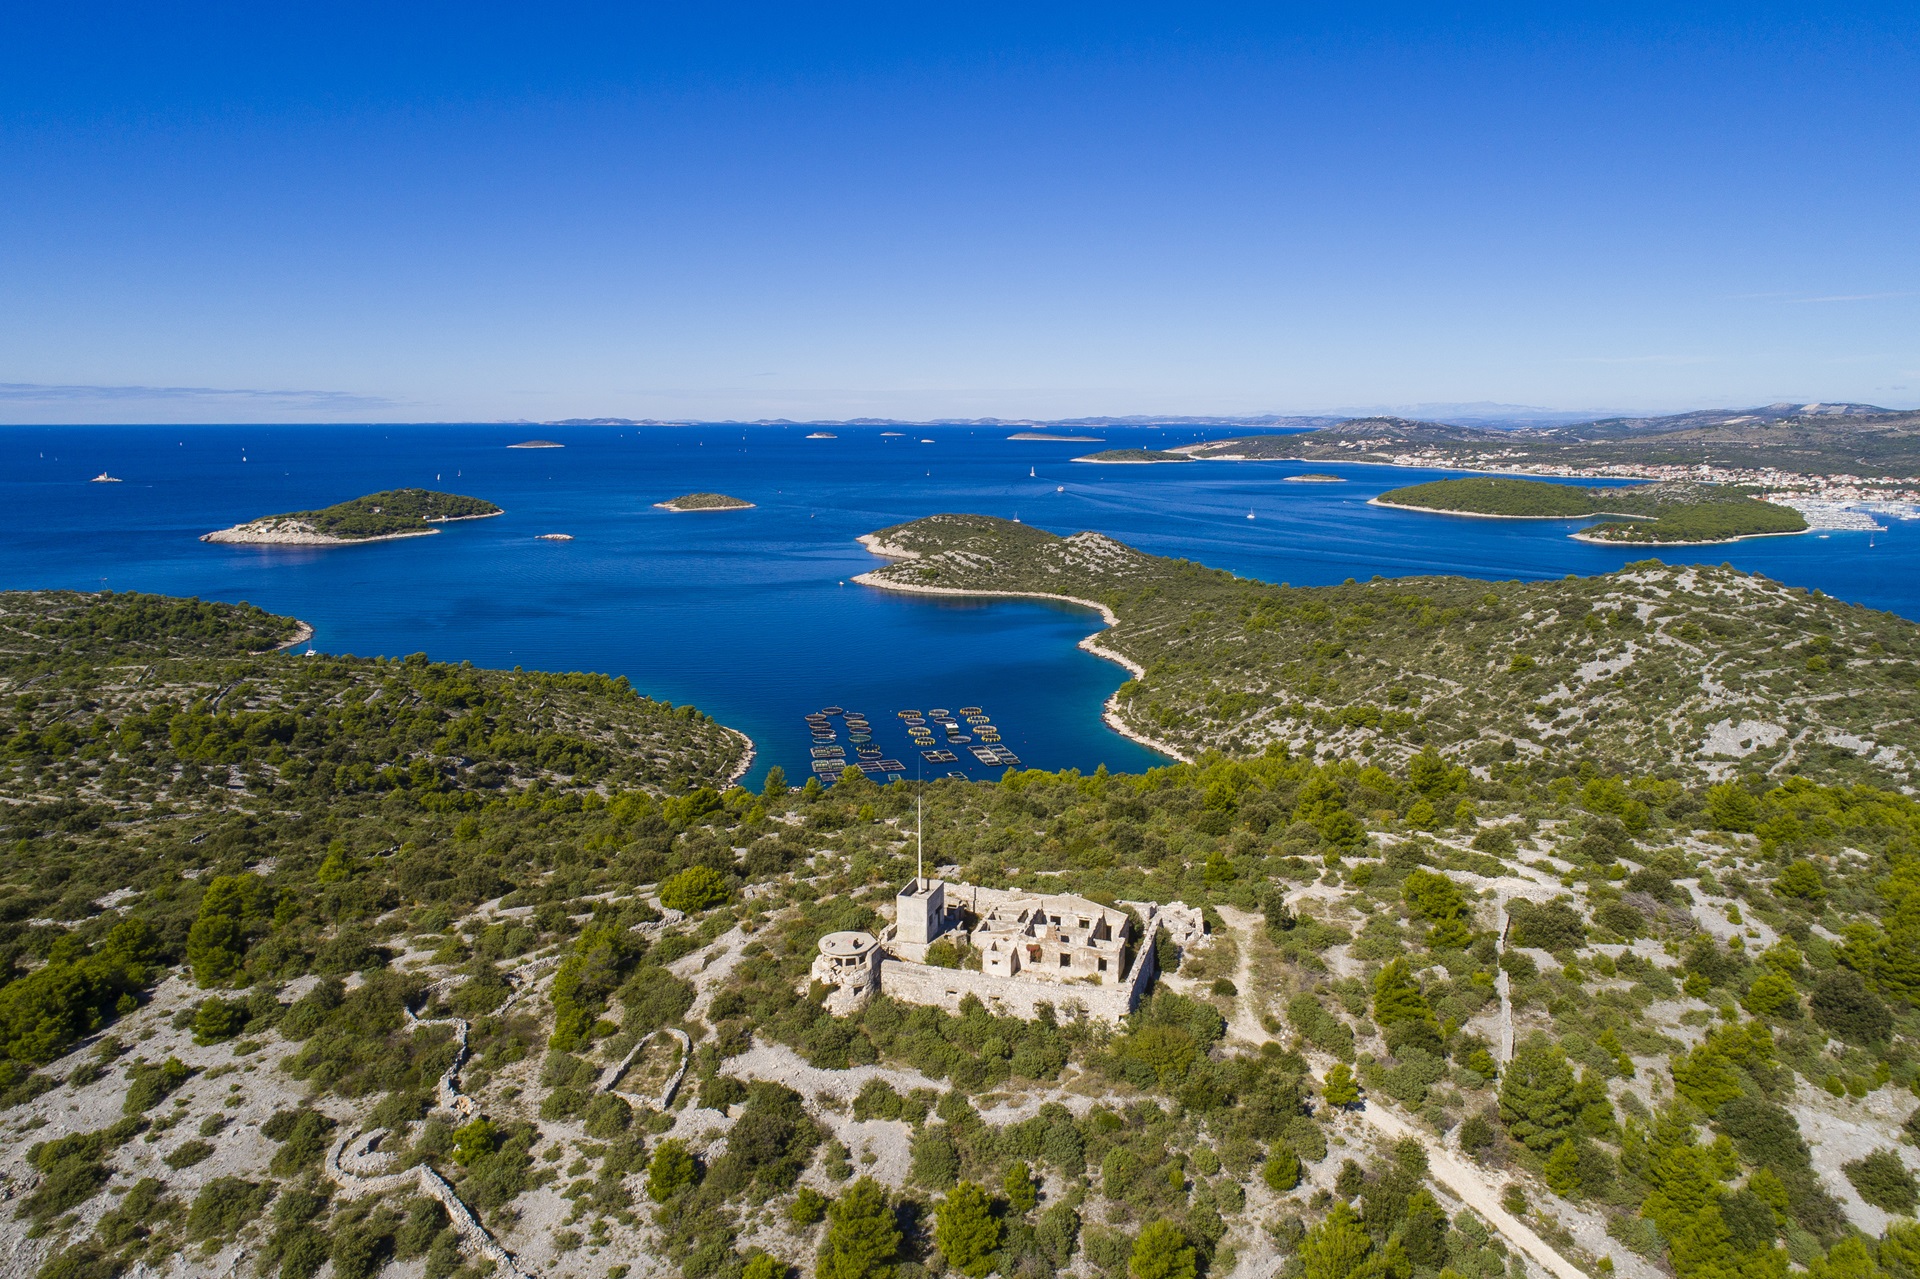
(1134, 457)
(1673, 514)
(704, 502)
(1607, 667)
(377, 517)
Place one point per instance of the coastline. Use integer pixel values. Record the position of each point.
(1581, 536)
(300, 534)
(1713, 541)
(1110, 711)
(1486, 515)
(746, 761)
(240, 535)
(300, 636)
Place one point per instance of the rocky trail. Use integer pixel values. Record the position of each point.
(1461, 1179)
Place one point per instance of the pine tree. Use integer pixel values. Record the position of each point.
(1563, 1170)
(1282, 1169)
(1162, 1252)
(1339, 1088)
(966, 1231)
(1397, 997)
(1335, 1248)
(1538, 1100)
(1425, 1234)
(861, 1236)
(1018, 1187)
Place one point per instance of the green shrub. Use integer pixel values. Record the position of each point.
(189, 1153)
(695, 889)
(225, 1205)
(1884, 1181)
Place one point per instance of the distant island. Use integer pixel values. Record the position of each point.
(1669, 514)
(823, 435)
(537, 444)
(705, 502)
(1315, 478)
(1134, 457)
(1057, 439)
(377, 517)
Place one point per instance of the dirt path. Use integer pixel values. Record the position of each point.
(1464, 1181)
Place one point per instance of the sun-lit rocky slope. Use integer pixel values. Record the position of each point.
(1533, 1017)
(1690, 670)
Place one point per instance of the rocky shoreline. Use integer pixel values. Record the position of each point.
(287, 532)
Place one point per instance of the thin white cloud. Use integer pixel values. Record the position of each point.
(1863, 297)
(52, 393)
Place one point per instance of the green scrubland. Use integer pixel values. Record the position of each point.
(226, 950)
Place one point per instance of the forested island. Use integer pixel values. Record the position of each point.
(375, 517)
(705, 502)
(1672, 513)
(384, 966)
(1134, 456)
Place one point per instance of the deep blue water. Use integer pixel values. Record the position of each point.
(750, 614)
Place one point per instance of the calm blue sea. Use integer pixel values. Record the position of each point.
(750, 615)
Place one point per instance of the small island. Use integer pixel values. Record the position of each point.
(1134, 457)
(377, 517)
(537, 444)
(1056, 439)
(1314, 478)
(1673, 514)
(822, 435)
(704, 502)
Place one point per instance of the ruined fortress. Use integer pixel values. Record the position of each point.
(1079, 956)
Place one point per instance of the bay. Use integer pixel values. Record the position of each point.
(752, 615)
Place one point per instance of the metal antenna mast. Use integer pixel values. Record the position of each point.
(919, 836)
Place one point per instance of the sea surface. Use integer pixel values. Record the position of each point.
(752, 615)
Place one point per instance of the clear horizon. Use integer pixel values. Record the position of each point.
(749, 213)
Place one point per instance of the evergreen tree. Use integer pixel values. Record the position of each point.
(1282, 1169)
(861, 1236)
(1019, 1189)
(1538, 1101)
(1563, 1170)
(670, 1171)
(1425, 1233)
(966, 1231)
(1397, 997)
(217, 942)
(1438, 900)
(1339, 1088)
(1334, 1248)
(1162, 1252)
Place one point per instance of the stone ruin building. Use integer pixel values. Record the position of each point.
(1077, 955)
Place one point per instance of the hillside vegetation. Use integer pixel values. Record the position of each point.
(1801, 440)
(1689, 671)
(1671, 513)
(384, 514)
(267, 1020)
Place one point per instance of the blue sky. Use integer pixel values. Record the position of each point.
(293, 212)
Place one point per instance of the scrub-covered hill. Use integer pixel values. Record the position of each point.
(1537, 1017)
(1691, 671)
